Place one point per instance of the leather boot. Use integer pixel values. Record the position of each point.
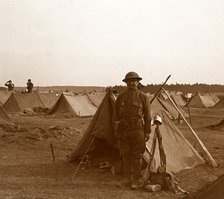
(137, 165)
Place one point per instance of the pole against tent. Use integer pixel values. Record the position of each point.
(84, 155)
(209, 156)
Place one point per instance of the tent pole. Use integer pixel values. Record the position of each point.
(84, 155)
(189, 113)
(209, 156)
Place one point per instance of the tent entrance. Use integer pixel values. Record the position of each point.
(101, 152)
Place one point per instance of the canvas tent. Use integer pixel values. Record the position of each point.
(96, 98)
(169, 107)
(179, 152)
(4, 95)
(163, 96)
(73, 105)
(18, 102)
(178, 99)
(48, 99)
(214, 97)
(174, 143)
(213, 191)
(200, 100)
(171, 111)
(4, 118)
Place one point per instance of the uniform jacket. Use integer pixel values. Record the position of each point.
(29, 86)
(10, 86)
(132, 110)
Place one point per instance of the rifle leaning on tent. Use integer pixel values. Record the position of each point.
(158, 92)
(151, 154)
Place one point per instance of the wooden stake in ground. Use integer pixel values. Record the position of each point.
(209, 156)
(52, 152)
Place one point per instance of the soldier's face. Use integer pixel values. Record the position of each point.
(132, 83)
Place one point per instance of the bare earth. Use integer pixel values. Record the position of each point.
(27, 169)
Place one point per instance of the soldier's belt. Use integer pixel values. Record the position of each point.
(132, 123)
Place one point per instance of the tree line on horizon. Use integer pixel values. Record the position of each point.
(184, 88)
(151, 88)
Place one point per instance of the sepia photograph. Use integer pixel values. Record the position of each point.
(111, 99)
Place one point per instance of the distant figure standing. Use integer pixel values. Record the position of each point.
(29, 86)
(10, 85)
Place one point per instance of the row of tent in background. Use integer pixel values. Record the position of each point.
(198, 100)
(64, 103)
(86, 104)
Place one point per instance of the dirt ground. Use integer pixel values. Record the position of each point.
(27, 169)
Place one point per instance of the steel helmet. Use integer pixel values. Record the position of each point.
(157, 120)
(131, 75)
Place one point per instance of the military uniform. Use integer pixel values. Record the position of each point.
(29, 86)
(133, 113)
(10, 85)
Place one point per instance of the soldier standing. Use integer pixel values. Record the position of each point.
(133, 117)
(10, 85)
(29, 86)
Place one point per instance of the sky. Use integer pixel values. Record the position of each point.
(96, 42)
